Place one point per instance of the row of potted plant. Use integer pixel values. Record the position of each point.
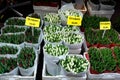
(103, 60)
(25, 60)
(68, 35)
(94, 38)
(27, 36)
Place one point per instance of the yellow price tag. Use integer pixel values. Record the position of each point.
(75, 21)
(33, 22)
(105, 25)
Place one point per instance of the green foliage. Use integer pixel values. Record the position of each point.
(13, 29)
(8, 50)
(6, 65)
(74, 64)
(26, 57)
(94, 37)
(30, 38)
(14, 38)
(15, 21)
(117, 53)
(102, 59)
(92, 21)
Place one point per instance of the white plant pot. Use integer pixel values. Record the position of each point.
(76, 45)
(94, 6)
(54, 59)
(64, 72)
(36, 45)
(29, 71)
(52, 68)
(13, 72)
(106, 7)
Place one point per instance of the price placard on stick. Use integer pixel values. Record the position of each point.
(105, 25)
(75, 21)
(32, 22)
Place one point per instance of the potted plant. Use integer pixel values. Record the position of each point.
(11, 29)
(33, 40)
(107, 4)
(8, 66)
(52, 18)
(13, 38)
(69, 29)
(9, 50)
(74, 65)
(116, 50)
(53, 38)
(26, 60)
(66, 11)
(95, 4)
(55, 52)
(73, 40)
(102, 60)
(15, 21)
(52, 28)
(92, 21)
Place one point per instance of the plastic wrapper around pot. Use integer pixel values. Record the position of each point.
(29, 71)
(13, 72)
(54, 59)
(67, 7)
(64, 72)
(52, 68)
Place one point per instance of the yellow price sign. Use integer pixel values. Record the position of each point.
(75, 21)
(33, 22)
(105, 25)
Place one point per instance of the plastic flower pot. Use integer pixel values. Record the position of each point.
(69, 67)
(107, 5)
(27, 60)
(54, 53)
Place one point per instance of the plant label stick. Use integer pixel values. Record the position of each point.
(75, 21)
(32, 22)
(103, 33)
(105, 25)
